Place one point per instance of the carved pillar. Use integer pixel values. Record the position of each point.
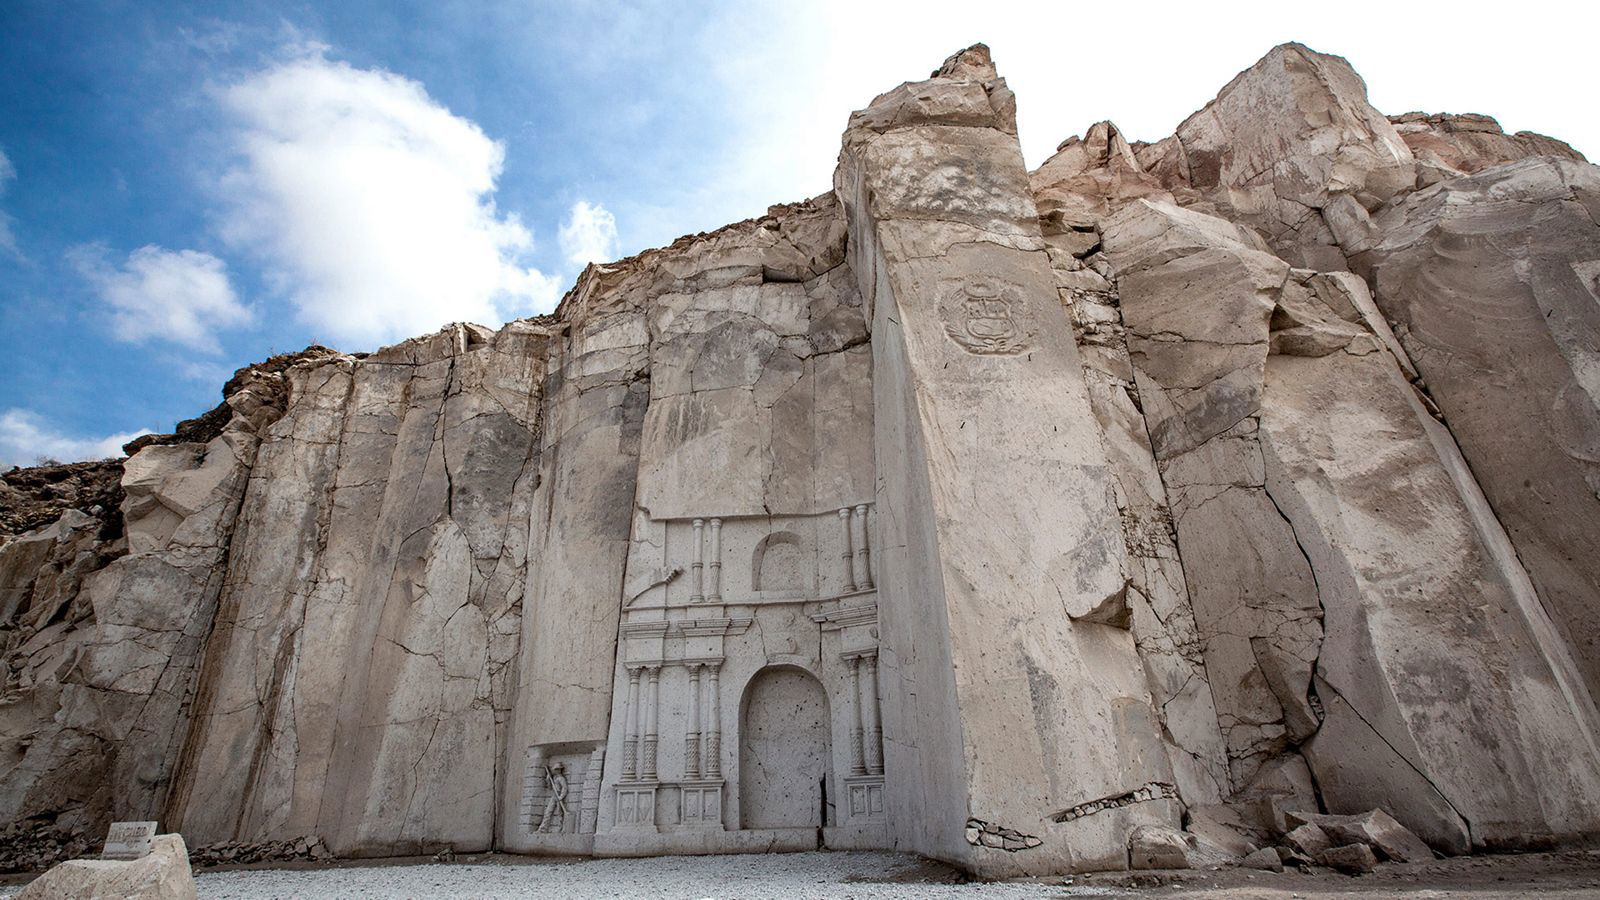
(863, 562)
(847, 555)
(647, 768)
(857, 764)
(699, 562)
(630, 740)
(716, 561)
(589, 807)
(869, 714)
(691, 741)
(713, 735)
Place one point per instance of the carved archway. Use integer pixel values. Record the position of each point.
(785, 750)
(780, 565)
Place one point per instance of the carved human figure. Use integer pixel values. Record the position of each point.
(555, 806)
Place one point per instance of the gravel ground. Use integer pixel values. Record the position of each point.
(791, 876)
(1567, 875)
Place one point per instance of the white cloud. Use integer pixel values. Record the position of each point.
(589, 234)
(372, 204)
(8, 172)
(212, 37)
(25, 440)
(176, 295)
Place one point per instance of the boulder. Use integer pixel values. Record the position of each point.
(1351, 859)
(1265, 859)
(1308, 839)
(1374, 828)
(1159, 847)
(1294, 858)
(1224, 827)
(1155, 847)
(162, 875)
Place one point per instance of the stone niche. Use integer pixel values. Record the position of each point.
(561, 796)
(745, 711)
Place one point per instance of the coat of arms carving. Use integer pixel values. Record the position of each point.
(987, 316)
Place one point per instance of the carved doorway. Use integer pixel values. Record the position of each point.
(784, 750)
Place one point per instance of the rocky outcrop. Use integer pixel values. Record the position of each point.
(1449, 145)
(1244, 483)
(104, 639)
(34, 498)
(1292, 149)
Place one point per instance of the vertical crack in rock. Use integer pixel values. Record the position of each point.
(1276, 684)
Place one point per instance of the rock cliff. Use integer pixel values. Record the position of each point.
(989, 514)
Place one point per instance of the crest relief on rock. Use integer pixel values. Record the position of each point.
(987, 316)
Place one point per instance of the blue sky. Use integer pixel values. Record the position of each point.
(187, 188)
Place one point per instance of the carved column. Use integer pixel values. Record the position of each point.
(847, 555)
(869, 714)
(589, 808)
(857, 763)
(863, 562)
(716, 561)
(647, 769)
(630, 740)
(691, 741)
(699, 595)
(713, 735)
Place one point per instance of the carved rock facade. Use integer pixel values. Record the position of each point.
(993, 515)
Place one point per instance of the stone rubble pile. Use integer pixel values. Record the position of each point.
(31, 847)
(242, 853)
(1353, 844)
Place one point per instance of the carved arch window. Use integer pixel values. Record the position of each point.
(780, 565)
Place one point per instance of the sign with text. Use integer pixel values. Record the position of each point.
(128, 840)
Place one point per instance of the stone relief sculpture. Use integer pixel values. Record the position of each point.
(985, 316)
(679, 645)
(555, 808)
(560, 800)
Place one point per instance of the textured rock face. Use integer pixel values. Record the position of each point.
(359, 664)
(1234, 482)
(1513, 251)
(974, 367)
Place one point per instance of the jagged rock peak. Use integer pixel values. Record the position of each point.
(973, 63)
